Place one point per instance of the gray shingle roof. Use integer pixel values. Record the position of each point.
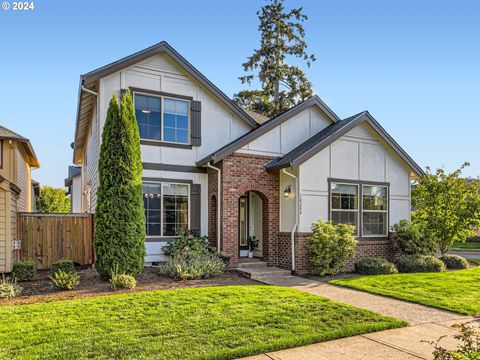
(259, 118)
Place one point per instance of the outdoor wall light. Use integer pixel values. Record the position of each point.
(287, 191)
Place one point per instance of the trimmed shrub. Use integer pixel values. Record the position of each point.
(123, 281)
(119, 217)
(195, 266)
(65, 280)
(415, 264)
(185, 244)
(330, 246)
(64, 265)
(454, 262)
(9, 289)
(410, 239)
(24, 270)
(375, 266)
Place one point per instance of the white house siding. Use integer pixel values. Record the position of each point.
(23, 181)
(154, 248)
(358, 155)
(288, 135)
(90, 180)
(219, 127)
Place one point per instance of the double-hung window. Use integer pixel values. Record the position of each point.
(163, 118)
(360, 204)
(166, 208)
(344, 204)
(374, 210)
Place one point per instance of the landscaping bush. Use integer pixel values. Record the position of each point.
(331, 246)
(375, 266)
(9, 289)
(24, 270)
(194, 266)
(416, 264)
(454, 261)
(410, 239)
(119, 217)
(185, 244)
(65, 280)
(64, 265)
(468, 345)
(123, 281)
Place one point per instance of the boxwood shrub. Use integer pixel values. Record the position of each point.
(64, 265)
(454, 261)
(24, 270)
(375, 266)
(415, 264)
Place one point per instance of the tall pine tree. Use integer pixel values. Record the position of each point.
(119, 238)
(283, 85)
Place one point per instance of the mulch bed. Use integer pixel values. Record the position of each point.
(42, 289)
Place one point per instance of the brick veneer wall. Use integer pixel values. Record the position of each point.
(242, 173)
(365, 248)
(212, 207)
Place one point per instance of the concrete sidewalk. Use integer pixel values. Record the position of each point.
(427, 324)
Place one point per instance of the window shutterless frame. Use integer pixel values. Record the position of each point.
(162, 208)
(161, 96)
(386, 212)
(331, 210)
(360, 184)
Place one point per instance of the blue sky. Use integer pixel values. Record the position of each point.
(415, 65)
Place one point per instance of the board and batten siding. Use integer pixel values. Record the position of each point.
(288, 135)
(4, 229)
(358, 155)
(219, 126)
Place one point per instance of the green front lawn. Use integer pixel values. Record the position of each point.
(469, 245)
(202, 323)
(455, 291)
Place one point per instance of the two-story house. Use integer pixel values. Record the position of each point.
(17, 189)
(218, 170)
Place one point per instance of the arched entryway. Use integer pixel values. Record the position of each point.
(250, 224)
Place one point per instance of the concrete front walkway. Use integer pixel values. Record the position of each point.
(426, 324)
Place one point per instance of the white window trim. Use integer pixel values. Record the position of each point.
(377, 211)
(161, 207)
(357, 227)
(162, 122)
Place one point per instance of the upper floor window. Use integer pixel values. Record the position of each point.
(162, 118)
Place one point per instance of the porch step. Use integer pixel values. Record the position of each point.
(252, 264)
(263, 273)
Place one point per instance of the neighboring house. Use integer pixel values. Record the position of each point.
(74, 185)
(221, 171)
(17, 189)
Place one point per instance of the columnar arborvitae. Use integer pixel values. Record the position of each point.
(119, 218)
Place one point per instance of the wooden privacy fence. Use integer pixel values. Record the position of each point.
(49, 237)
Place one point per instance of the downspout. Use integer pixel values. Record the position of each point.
(219, 208)
(89, 91)
(294, 229)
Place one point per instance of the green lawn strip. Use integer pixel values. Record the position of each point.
(469, 245)
(456, 291)
(201, 323)
(476, 261)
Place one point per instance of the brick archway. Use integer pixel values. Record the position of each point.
(242, 173)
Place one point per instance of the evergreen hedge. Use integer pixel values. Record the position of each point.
(119, 238)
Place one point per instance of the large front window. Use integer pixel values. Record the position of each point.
(166, 208)
(363, 205)
(162, 118)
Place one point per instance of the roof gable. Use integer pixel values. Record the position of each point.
(88, 81)
(328, 135)
(267, 126)
(7, 134)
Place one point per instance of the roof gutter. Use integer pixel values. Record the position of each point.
(294, 229)
(219, 203)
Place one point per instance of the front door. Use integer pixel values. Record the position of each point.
(243, 226)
